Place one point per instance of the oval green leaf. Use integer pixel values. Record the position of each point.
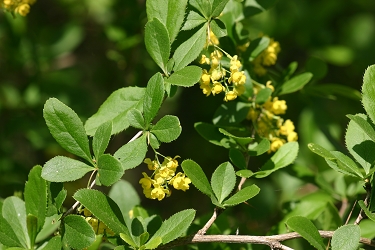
(110, 169)
(368, 92)
(78, 232)
(242, 195)
(167, 129)
(197, 176)
(346, 238)
(295, 83)
(223, 181)
(185, 77)
(132, 153)
(153, 97)
(101, 139)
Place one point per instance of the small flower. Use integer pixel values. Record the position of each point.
(292, 136)
(216, 74)
(205, 78)
(23, 9)
(237, 77)
(275, 144)
(279, 106)
(217, 88)
(235, 64)
(180, 182)
(152, 165)
(146, 181)
(213, 39)
(204, 60)
(230, 96)
(206, 89)
(159, 192)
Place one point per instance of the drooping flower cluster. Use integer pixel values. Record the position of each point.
(156, 186)
(215, 81)
(21, 7)
(268, 123)
(267, 58)
(98, 226)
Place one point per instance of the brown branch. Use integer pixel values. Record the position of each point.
(272, 241)
(361, 214)
(217, 212)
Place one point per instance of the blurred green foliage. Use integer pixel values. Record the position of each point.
(80, 52)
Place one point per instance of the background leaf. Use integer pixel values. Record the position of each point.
(296, 83)
(237, 158)
(7, 235)
(153, 97)
(284, 156)
(103, 207)
(78, 232)
(66, 127)
(209, 132)
(136, 119)
(110, 169)
(115, 109)
(157, 42)
(223, 181)
(346, 238)
(197, 176)
(194, 45)
(132, 153)
(101, 138)
(175, 226)
(193, 20)
(307, 230)
(63, 169)
(368, 92)
(242, 195)
(186, 77)
(230, 113)
(36, 196)
(167, 129)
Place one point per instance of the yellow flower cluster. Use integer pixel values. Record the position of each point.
(268, 57)
(21, 7)
(215, 81)
(269, 124)
(156, 186)
(98, 226)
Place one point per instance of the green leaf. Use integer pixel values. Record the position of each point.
(132, 153)
(167, 129)
(370, 215)
(14, 212)
(346, 238)
(110, 169)
(185, 77)
(284, 156)
(101, 139)
(170, 12)
(103, 207)
(223, 181)
(175, 226)
(295, 83)
(78, 232)
(153, 243)
(257, 46)
(332, 90)
(245, 173)
(230, 113)
(240, 140)
(319, 150)
(365, 123)
(258, 148)
(197, 176)
(237, 158)
(193, 20)
(253, 7)
(157, 42)
(7, 235)
(209, 132)
(368, 92)
(54, 243)
(153, 97)
(360, 145)
(136, 119)
(115, 109)
(345, 162)
(217, 7)
(153, 141)
(128, 239)
(125, 196)
(63, 169)
(218, 28)
(51, 225)
(36, 195)
(190, 49)
(204, 7)
(66, 127)
(263, 95)
(307, 230)
(242, 195)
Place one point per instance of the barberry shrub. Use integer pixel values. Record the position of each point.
(184, 38)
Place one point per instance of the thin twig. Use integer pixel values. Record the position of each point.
(361, 214)
(217, 212)
(344, 206)
(272, 241)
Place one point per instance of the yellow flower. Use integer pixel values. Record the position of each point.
(206, 89)
(292, 136)
(269, 85)
(204, 60)
(213, 39)
(279, 106)
(164, 172)
(159, 192)
(152, 165)
(216, 74)
(287, 127)
(235, 64)
(205, 78)
(146, 181)
(252, 114)
(217, 88)
(239, 89)
(237, 77)
(275, 144)
(23, 9)
(171, 163)
(230, 96)
(180, 182)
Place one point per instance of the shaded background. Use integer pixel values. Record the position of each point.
(82, 51)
